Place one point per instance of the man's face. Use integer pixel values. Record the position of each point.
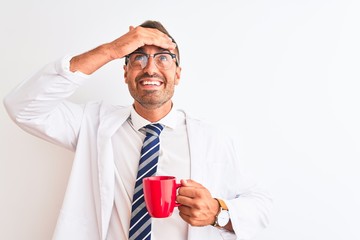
(152, 86)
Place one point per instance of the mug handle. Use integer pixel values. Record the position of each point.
(177, 187)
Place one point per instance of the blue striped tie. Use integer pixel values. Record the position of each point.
(140, 224)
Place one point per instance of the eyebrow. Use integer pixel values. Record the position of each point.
(141, 49)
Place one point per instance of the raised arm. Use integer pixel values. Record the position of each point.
(135, 38)
(39, 106)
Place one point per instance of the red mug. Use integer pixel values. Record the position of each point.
(160, 195)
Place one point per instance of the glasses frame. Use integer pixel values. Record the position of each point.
(173, 56)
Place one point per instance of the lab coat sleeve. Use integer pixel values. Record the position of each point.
(251, 208)
(249, 214)
(38, 105)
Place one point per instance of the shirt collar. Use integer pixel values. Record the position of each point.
(170, 120)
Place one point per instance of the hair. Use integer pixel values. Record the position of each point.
(157, 25)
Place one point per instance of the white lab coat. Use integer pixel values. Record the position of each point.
(39, 107)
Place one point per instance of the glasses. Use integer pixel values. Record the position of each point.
(139, 60)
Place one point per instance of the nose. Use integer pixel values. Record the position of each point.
(150, 67)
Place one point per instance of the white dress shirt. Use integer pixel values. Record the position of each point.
(173, 161)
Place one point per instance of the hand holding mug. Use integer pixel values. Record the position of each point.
(198, 207)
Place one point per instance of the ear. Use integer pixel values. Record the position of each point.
(125, 73)
(177, 75)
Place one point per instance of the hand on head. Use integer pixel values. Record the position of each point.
(138, 37)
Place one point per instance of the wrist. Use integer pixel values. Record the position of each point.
(92, 60)
(116, 49)
(111, 51)
(222, 218)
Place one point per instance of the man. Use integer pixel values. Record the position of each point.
(218, 200)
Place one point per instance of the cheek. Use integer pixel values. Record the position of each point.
(128, 77)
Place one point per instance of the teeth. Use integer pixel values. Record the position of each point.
(156, 83)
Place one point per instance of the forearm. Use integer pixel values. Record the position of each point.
(42, 92)
(92, 60)
(38, 104)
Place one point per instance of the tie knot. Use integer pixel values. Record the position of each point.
(153, 129)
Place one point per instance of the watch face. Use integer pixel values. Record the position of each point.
(223, 218)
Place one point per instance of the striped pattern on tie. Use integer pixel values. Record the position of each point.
(140, 223)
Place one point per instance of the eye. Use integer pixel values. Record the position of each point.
(163, 57)
(139, 57)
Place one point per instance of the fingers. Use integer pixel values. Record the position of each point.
(190, 183)
(198, 207)
(191, 189)
(138, 37)
(194, 221)
(200, 215)
(198, 212)
(151, 36)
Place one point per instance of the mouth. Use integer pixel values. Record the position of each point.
(150, 83)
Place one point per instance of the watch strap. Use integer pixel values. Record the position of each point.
(222, 204)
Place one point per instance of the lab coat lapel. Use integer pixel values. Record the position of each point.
(110, 121)
(197, 145)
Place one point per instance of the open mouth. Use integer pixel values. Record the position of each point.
(150, 83)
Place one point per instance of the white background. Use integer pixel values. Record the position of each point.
(283, 75)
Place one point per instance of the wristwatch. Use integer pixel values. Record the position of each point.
(223, 217)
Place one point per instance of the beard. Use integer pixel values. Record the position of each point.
(152, 99)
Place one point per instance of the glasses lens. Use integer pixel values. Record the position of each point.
(163, 60)
(140, 60)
